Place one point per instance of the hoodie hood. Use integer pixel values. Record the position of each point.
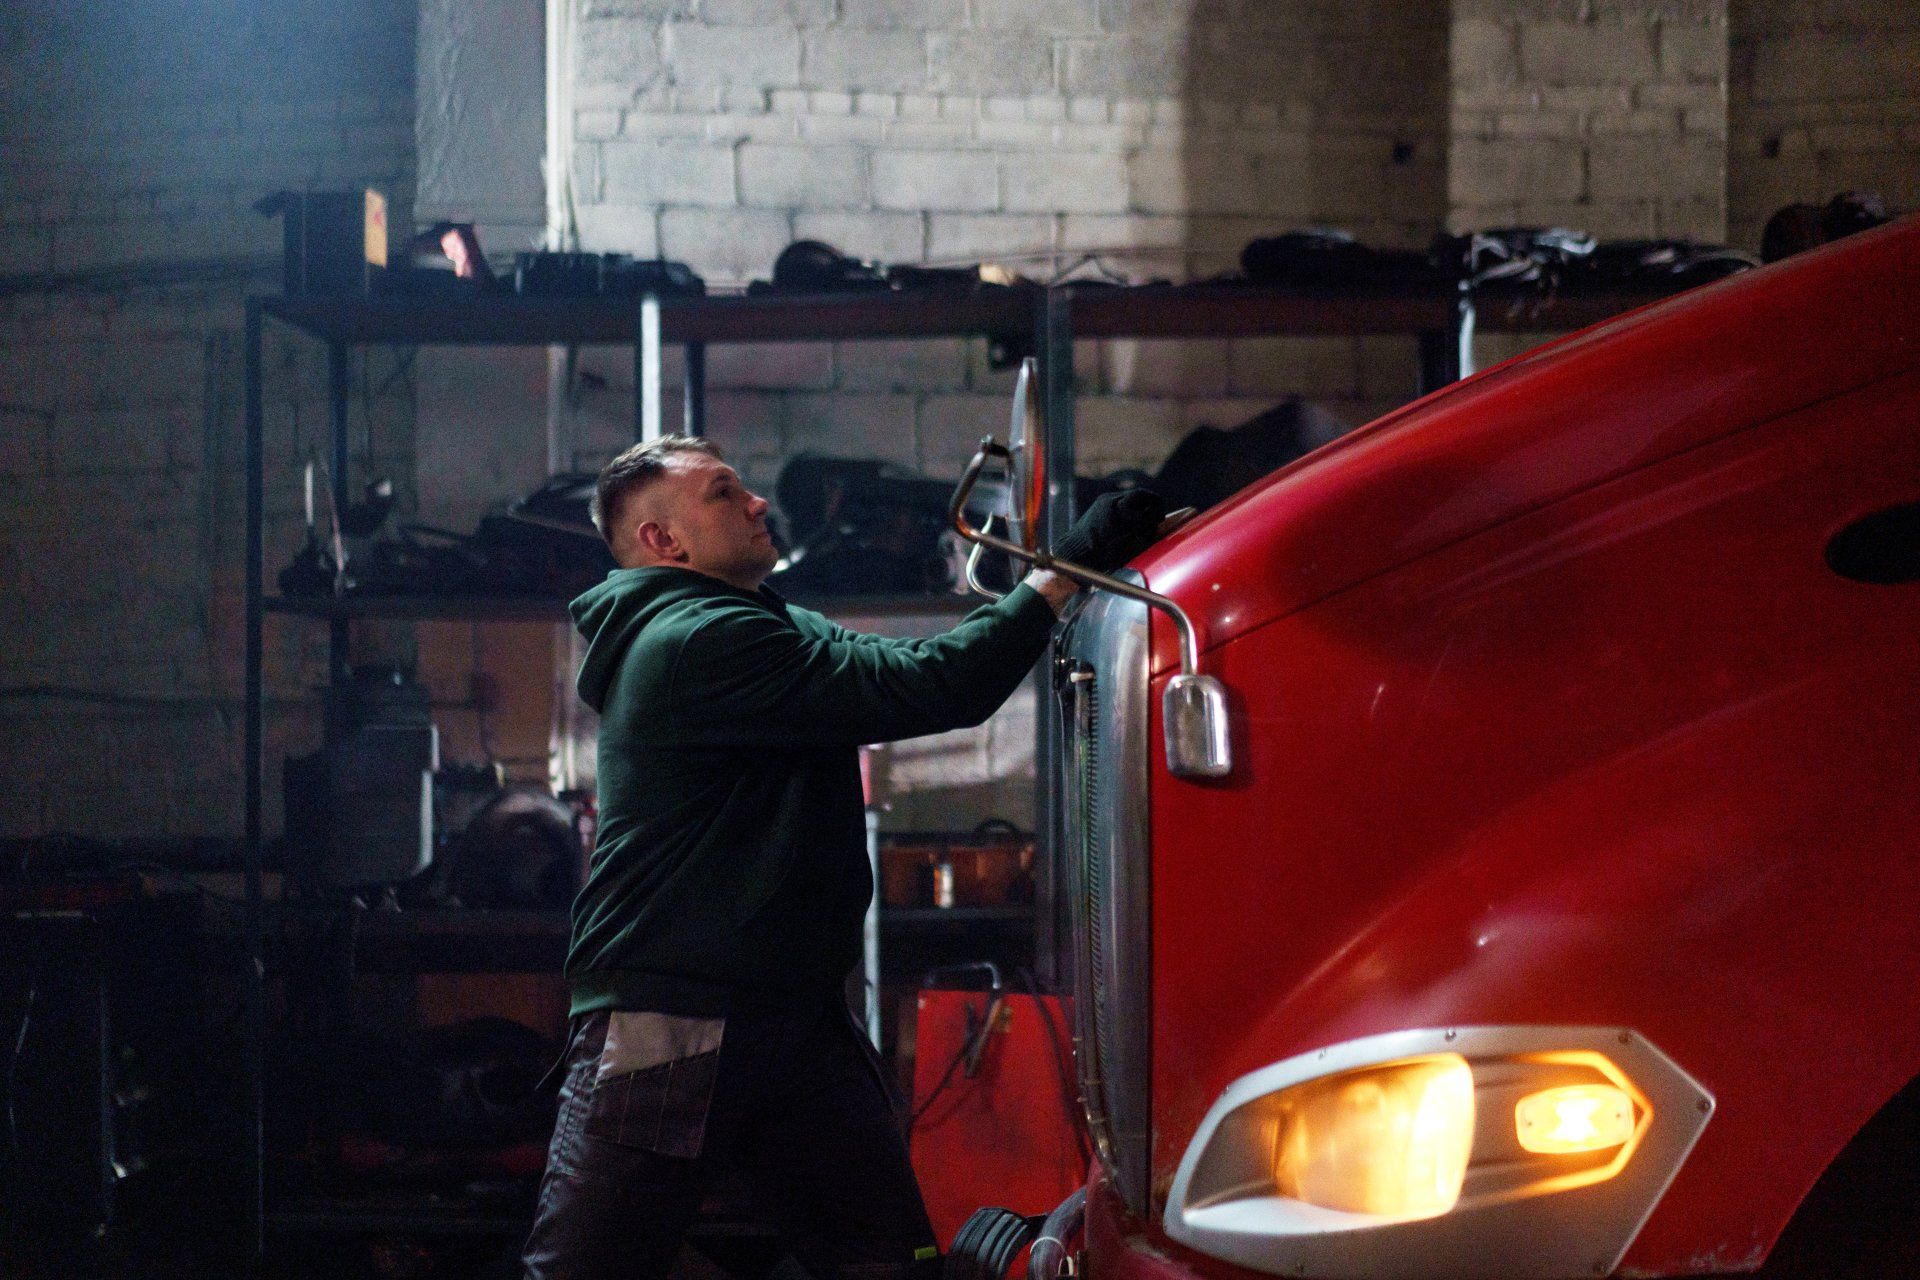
(610, 616)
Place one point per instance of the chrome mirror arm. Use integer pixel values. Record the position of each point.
(1039, 559)
(1194, 708)
(973, 566)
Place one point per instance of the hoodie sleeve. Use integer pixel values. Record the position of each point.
(745, 677)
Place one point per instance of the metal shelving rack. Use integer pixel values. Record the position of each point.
(490, 941)
(1050, 319)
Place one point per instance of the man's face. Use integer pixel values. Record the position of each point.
(715, 524)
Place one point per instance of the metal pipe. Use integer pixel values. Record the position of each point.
(647, 373)
(973, 569)
(1050, 1254)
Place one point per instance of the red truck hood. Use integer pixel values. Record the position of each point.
(1547, 424)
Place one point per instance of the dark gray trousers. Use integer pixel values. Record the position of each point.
(795, 1101)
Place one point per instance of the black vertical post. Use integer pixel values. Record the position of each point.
(338, 358)
(1056, 384)
(1053, 334)
(694, 394)
(253, 770)
(94, 950)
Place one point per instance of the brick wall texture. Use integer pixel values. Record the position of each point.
(1163, 133)
(133, 139)
(1166, 132)
(1605, 115)
(1825, 97)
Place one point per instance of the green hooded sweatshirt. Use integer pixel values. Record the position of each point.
(731, 869)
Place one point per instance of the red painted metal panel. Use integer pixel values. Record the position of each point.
(1640, 758)
(1547, 709)
(1600, 404)
(1008, 1134)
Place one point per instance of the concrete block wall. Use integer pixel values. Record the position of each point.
(1165, 132)
(133, 139)
(1604, 115)
(1825, 97)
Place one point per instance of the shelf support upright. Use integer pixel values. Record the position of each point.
(253, 770)
(338, 357)
(646, 370)
(1053, 329)
(695, 391)
(1446, 355)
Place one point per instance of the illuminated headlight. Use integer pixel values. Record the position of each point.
(1391, 1139)
(1431, 1153)
(1574, 1119)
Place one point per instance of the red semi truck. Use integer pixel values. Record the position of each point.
(1497, 835)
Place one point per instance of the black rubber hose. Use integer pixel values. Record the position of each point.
(1050, 1250)
(998, 1259)
(987, 1243)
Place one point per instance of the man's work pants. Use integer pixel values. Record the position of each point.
(794, 1101)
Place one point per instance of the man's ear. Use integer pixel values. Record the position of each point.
(655, 539)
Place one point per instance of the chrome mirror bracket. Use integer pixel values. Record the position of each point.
(1195, 706)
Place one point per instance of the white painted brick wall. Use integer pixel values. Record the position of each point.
(966, 181)
(702, 56)
(1090, 182)
(810, 177)
(870, 61)
(995, 119)
(1610, 118)
(671, 172)
(1824, 99)
(120, 478)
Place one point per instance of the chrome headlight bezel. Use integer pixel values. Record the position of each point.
(1545, 1230)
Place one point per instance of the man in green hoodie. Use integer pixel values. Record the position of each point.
(723, 908)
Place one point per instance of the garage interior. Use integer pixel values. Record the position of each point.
(263, 1018)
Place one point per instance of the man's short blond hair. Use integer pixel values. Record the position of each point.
(634, 470)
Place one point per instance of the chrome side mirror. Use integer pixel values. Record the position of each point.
(1194, 713)
(1195, 706)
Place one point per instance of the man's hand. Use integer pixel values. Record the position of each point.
(1115, 529)
(1056, 589)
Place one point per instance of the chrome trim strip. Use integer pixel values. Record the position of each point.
(1104, 723)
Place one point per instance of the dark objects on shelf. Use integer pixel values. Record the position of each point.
(359, 810)
(333, 243)
(121, 1069)
(544, 544)
(548, 274)
(864, 527)
(1539, 259)
(521, 851)
(455, 1102)
(814, 267)
(1795, 228)
(1213, 463)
